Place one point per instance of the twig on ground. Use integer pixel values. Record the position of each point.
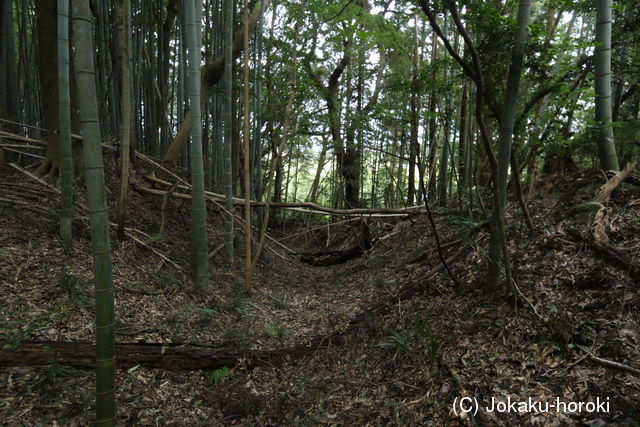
(609, 363)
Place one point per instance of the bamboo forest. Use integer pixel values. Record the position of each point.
(311, 212)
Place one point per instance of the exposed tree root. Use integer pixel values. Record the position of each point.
(599, 240)
(604, 192)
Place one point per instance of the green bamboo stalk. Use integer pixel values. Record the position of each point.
(602, 53)
(247, 157)
(199, 247)
(98, 217)
(127, 113)
(228, 116)
(64, 125)
(257, 112)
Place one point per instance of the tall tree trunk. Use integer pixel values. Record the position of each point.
(497, 244)
(8, 72)
(464, 133)
(415, 117)
(313, 193)
(164, 58)
(228, 137)
(96, 200)
(66, 152)
(213, 72)
(48, 71)
(257, 112)
(330, 94)
(199, 250)
(279, 173)
(236, 144)
(606, 143)
(124, 37)
(433, 143)
(247, 160)
(622, 56)
(398, 200)
(279, 148)
(351, 175)
(444, 160)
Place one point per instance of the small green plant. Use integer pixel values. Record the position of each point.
(218, 376)
(205, 316)
(400, 342)
(165, 279)
(153, 239)
(69, 283)
(419, 340)
(209, 311)
(48, 380)
(234, 337)
(239, 300)
(239, 306)
(278, 300)
(465, 224)
(278, 332)
(431, 340)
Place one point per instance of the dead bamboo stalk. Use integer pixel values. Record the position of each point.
(304, 205)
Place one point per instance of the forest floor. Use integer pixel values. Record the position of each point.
(404, 364)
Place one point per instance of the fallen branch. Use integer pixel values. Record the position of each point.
(25, 205)
(215, 251)
(22, 153)
(39, 191)
(15, 137)
(27, 146)
(289, 236)
(599, 240)
(609, 363)
(128, 230)
(604, 192)
(32, 176)
(610, 253)
(305, 205)
(152, 249)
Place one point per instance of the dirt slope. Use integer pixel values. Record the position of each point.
(404, 365)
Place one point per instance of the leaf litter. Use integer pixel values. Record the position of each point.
(404, 365)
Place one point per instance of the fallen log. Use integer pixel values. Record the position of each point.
(340, 256)
(334, 257)
(306, 205)
(167, 356)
